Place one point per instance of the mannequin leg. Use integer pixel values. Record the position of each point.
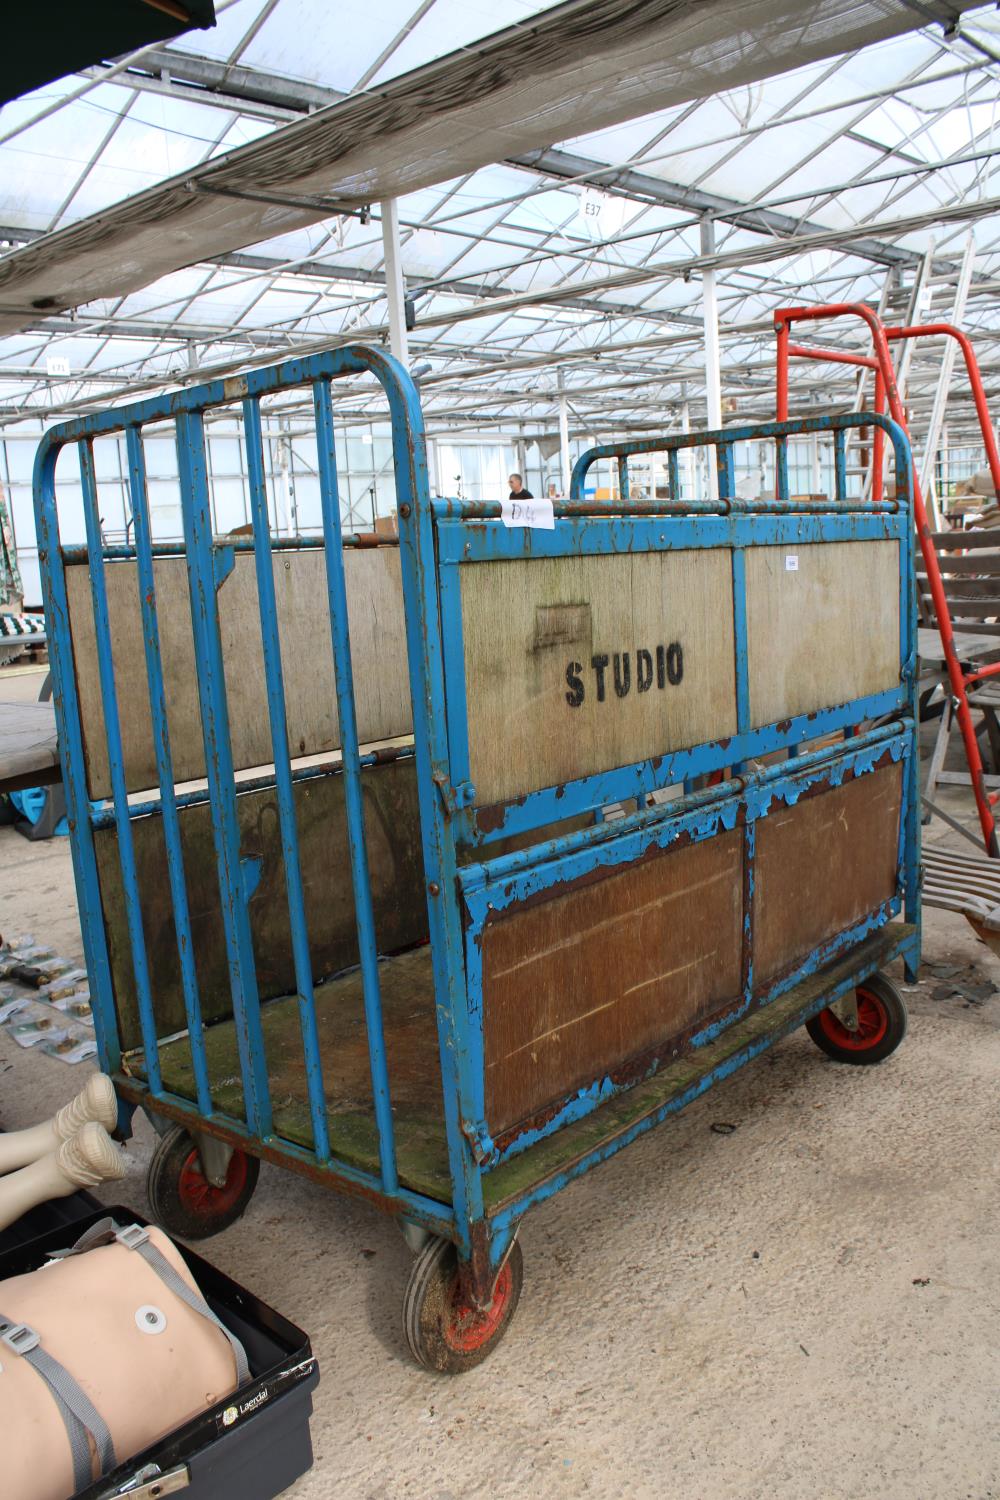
(90, 1157)
(95, 1101)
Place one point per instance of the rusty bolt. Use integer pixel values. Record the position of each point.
(404, 511)
(434, 888)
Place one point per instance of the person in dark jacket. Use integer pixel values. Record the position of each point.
(517, 490)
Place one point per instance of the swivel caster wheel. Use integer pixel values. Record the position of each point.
(444, 1332)
(880, 1029)
(183, 1199)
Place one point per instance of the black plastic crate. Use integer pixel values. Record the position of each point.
(252, 1445)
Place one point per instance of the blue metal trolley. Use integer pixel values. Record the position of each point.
(440, 871)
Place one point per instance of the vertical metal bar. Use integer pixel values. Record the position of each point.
(353, 801)
(840, 463)
(72, 758)
(116, 766)
(749, 908)
(725, 465)
(781, 329)
(275, 685)
(450, 595)
(908, 666)
(741, 647)
(878, 439)
(197, 519)
(740, 641)
(164, 762)
(674, 474)
(623, 490)
(459, 1007)
(781, 412)
(781, 468)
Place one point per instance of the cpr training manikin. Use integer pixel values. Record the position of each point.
(108, 1346)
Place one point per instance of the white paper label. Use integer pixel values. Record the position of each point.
(55, 364)
(791, 562)
(537, 513)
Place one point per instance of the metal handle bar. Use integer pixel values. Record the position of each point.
(724, 439)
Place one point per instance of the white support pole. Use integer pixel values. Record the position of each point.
(563, 434)
(817, 475)
(283, 501)
(928, 458)
(521, 449)
(394, 289)
(687, 454)
(433, 478)
(713, 371)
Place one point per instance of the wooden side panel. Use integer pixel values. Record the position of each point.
(822, 625)
(576, 985)
(393, 834)
(575, 665)
(821, 865)
(378, 643)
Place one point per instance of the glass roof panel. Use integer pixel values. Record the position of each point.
(828, 143)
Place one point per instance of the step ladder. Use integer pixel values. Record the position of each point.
(952, 294)
(934, 291)
(884, 359)
(902, 301)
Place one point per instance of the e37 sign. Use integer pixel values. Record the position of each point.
(660, 667)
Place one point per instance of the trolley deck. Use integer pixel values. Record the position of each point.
(372, 921)
(421, 1142)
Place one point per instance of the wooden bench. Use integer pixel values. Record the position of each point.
(965, 883)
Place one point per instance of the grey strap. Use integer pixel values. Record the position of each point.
(75, 1407)
(194, 1300)
(134, 1237)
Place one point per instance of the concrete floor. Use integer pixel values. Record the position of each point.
(806, 1307)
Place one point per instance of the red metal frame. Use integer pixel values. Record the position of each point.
(886, 390)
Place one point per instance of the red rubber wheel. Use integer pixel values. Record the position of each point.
(180, 1195)
(444, 1331)
(881, 1025)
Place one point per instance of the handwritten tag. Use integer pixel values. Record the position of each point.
(536, 513)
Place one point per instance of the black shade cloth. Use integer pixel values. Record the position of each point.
(53, 39)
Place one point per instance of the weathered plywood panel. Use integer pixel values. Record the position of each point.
(822, 625)
(578, 664)
(392, 827)
(821, 865)
(378, 644)
(576, 985)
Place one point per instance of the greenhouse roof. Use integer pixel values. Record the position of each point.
(579, 257)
